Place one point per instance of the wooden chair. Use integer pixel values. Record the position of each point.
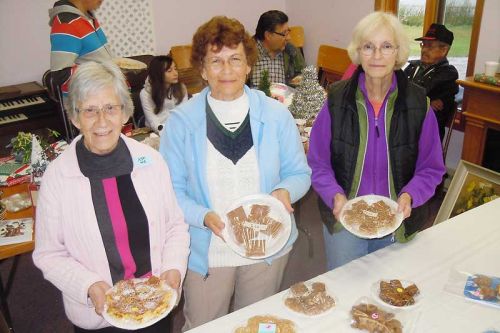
(332, 63)
(297, 37)
(187, 74)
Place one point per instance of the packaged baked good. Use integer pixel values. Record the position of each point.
(309, 299)
(396, 294)
(267, 323)
(138, 303)
(374, 319)
(257, 226)
(371, 216)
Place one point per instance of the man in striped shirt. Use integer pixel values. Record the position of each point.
(75, 37)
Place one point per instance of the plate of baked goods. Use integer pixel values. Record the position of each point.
(267, 324)
(397, 294)
(257, 226)
(371, 216)
(130, 64)
(309, 299)
(369, 317)
(138, 303)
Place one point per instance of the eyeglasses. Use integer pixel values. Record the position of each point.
(386, 49)
(282, 34)
(217, 64)
(93, 110)
(431, 45)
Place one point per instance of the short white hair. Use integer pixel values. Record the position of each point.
(91, 77)
(371, 24)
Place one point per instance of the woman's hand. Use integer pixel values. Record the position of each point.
(172, 277)
(338, 203)
(404, 204)
(213, 222)
(284, 196)
(97, 295)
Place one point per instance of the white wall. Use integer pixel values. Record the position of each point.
(326, 21)
(25, 45)
(24, 29)
(488, 47)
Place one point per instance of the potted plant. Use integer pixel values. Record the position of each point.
(21, 145)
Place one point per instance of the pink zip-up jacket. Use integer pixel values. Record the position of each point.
(68, 245)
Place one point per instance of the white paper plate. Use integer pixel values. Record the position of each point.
(375, 290)
(130, 64)
(308, 284)
(277, 212)
(371, 199)
(133, 325)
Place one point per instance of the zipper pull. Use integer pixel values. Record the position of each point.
(206, 277)
(376, 129)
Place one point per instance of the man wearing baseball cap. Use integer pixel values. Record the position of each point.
(435, 74)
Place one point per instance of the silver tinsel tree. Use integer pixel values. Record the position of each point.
(309, 95)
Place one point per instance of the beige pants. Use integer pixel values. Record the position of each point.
(206, 300)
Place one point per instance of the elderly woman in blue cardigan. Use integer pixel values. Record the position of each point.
(225, 143)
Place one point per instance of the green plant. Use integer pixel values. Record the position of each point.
(21, 144)
(265, 84)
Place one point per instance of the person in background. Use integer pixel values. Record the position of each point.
(376, 134)
(75, 37)
(162, 91)
(435, 74)
(227, 142)
(106, 207)
(276, 54)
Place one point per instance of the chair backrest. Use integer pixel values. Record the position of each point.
(332, 63)
(181, 55)
(188, 75)
(297, 36)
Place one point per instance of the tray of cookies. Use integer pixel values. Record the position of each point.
(371, 216)
(309, 299)
(257, 226)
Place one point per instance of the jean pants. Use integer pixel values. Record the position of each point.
(342, 247)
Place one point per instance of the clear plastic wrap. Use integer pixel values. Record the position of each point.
(17, 202)
(267, 324)
(481, 288)
(371, 317)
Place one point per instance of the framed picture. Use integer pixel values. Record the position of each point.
(471, 186)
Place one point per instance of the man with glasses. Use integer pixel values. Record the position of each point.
(276, 54)
(435, 74)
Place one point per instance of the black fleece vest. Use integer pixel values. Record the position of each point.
(410, 109)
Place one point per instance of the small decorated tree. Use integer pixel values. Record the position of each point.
(309, 96)
(265, 84)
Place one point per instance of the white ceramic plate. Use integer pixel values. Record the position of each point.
(130, 64)
(371, 199)
(308, 284)
(277, 212)
(375, 290)
(133, 325)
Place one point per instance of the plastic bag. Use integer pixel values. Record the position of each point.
(17, 202)
(481, 288)
(372, 317)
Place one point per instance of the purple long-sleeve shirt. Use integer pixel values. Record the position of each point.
(429, 168)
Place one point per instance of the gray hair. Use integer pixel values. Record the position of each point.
(91, 77)
(374, 22)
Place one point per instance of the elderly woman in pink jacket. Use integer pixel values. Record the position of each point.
(106, 209)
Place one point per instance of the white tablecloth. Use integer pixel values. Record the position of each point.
(469, 242)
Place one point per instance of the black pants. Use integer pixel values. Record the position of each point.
(163, 326)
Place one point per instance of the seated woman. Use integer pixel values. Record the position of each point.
(227, 142)
(376, 134)
(106, 208)
(162, 92)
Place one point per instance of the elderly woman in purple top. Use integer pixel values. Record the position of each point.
(374, 135)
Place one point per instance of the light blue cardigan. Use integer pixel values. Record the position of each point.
(280, 155)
